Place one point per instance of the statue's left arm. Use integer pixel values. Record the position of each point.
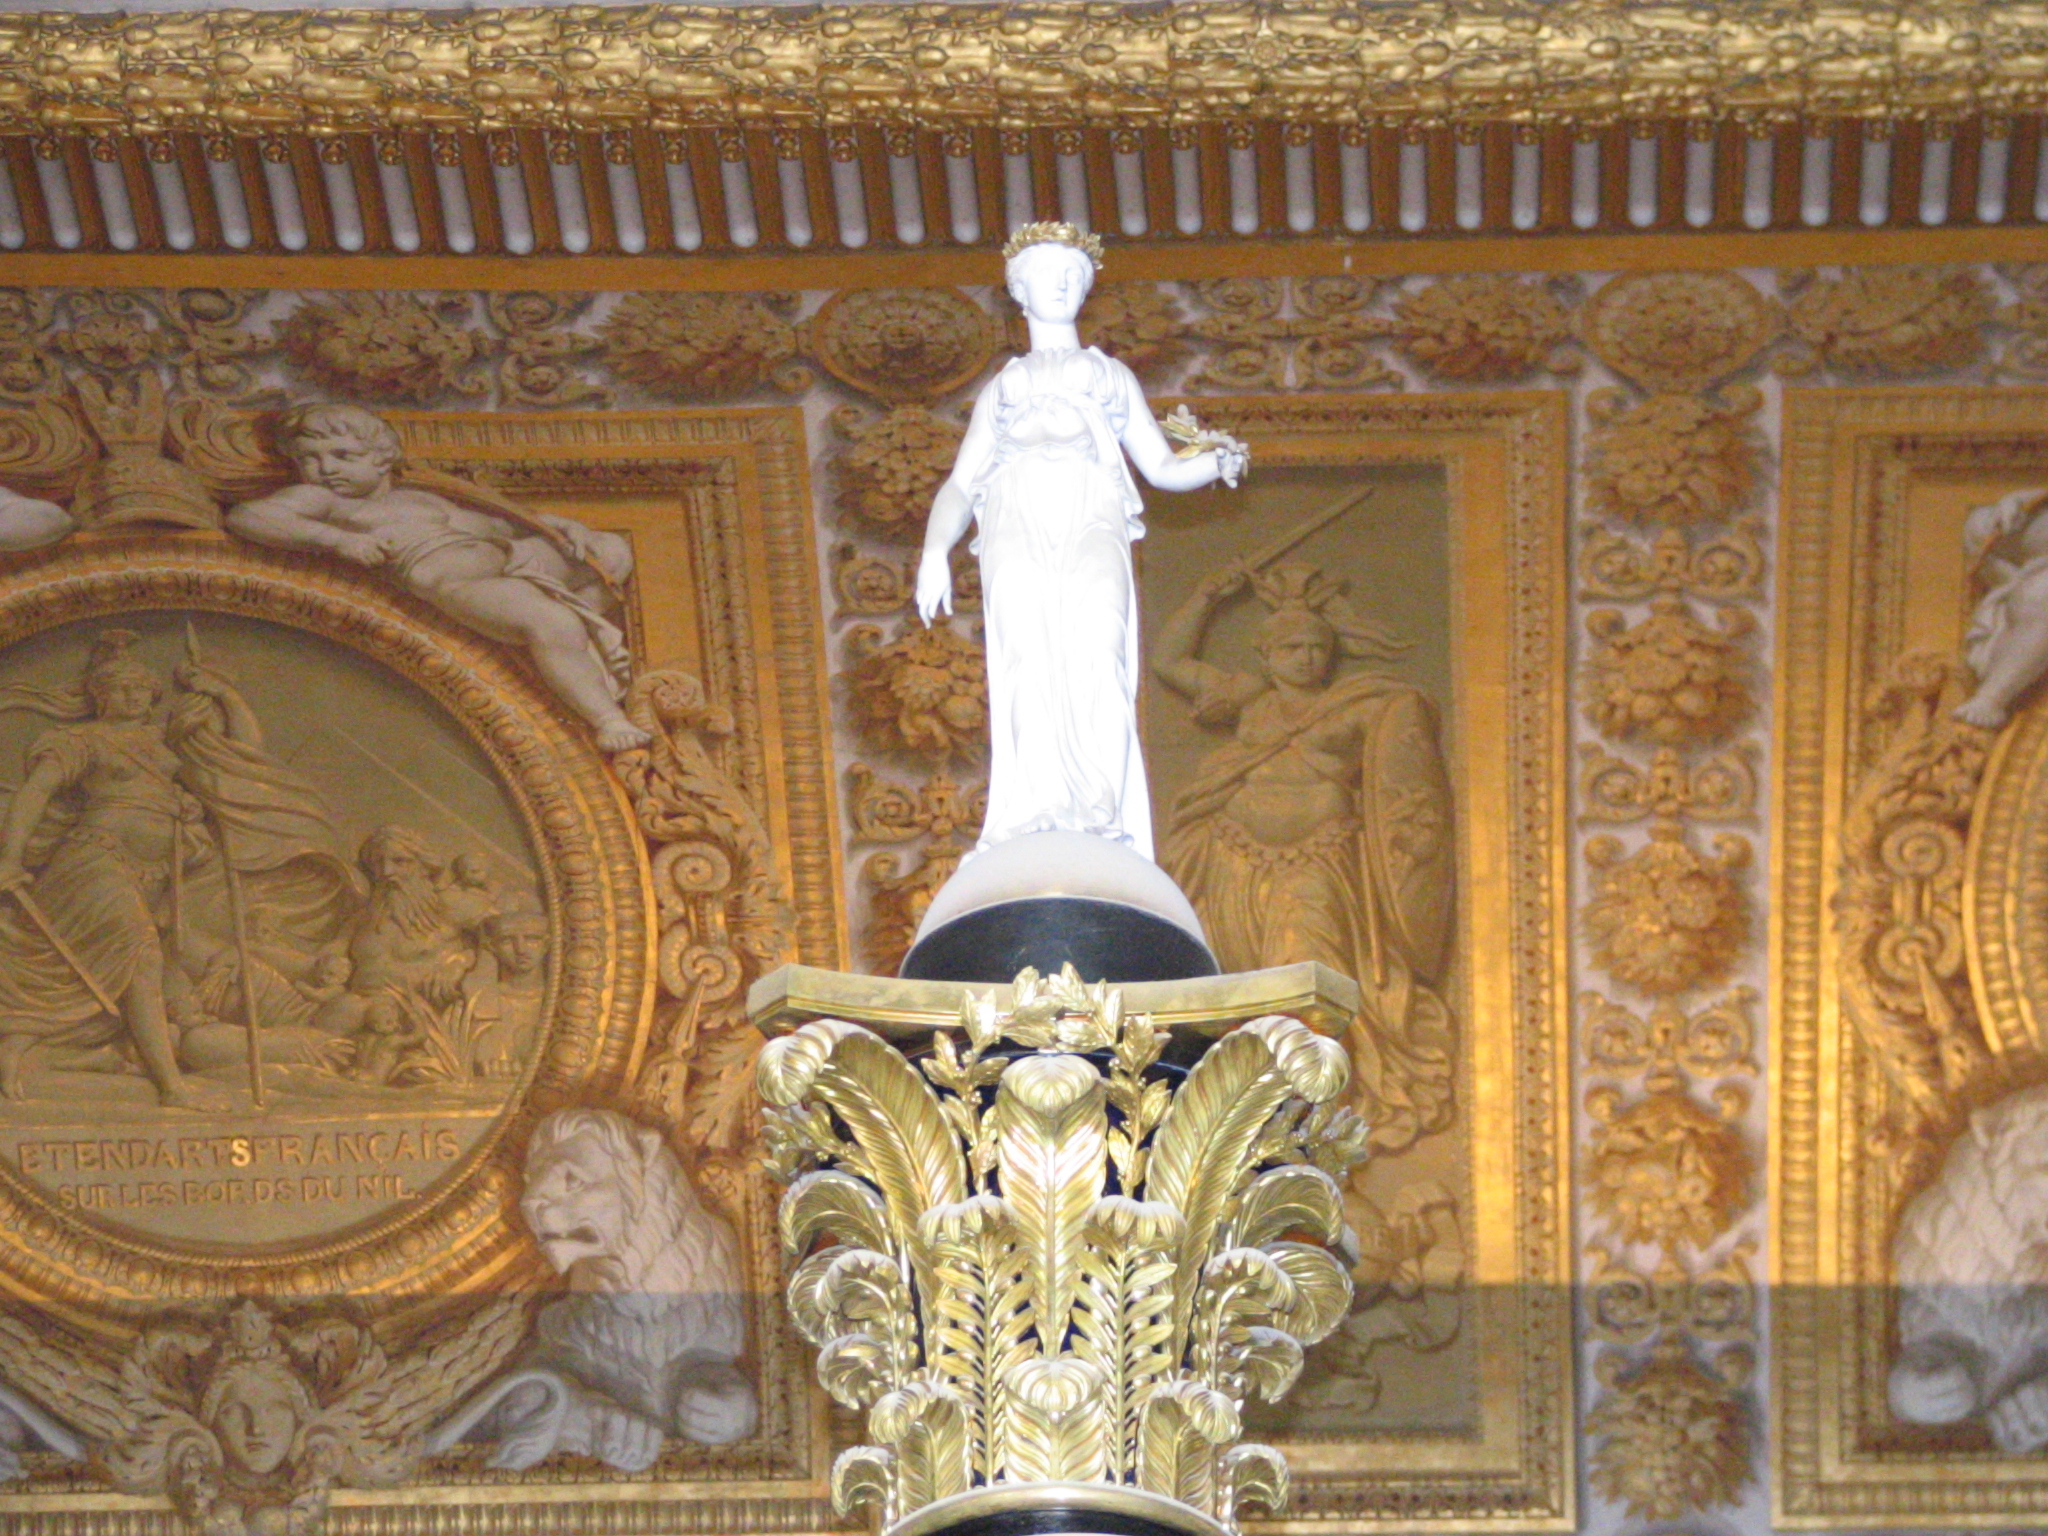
(1146, 443)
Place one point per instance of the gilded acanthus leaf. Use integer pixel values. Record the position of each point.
(1032, 1264)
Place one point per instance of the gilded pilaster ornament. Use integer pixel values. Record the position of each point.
(1880, 321)
(900, 885)
(1716, 1040)
(893, 466)
(924, 693)
(387, 348)
(1719, 786)
(1669, 679)
(1673, 1435)
(903, 344)
(1667, 917)
(1665, 1169)
(704, 346)
(1718, 566)
(1676, 332)
(1673, 459)
(1039, 1261)
(1483, 330)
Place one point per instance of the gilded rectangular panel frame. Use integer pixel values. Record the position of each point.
(1858, 591)
(727, 590)
(1504, 456)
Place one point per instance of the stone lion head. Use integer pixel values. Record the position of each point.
(610, 1206)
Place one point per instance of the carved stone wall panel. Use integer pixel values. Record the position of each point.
(1906, 983)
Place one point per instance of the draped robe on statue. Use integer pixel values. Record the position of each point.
(1057, 511)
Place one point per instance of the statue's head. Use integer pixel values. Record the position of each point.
(605, 1192)
(519, 942)
(1050, 268)
(118, 686)
(1297, 646)
(342, 448)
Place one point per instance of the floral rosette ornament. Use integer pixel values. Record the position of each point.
(1039, 1258)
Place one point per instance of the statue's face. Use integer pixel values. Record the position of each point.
(1049, 282)
(574, 1204)
(1301, 660)
(121, 697)
(342, 465)
(257, 1423)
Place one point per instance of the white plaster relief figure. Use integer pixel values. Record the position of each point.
(1971, 1262)
(1042, 472)
(28, 522)
(646, 1345)
(2006, 543)
(547, 584)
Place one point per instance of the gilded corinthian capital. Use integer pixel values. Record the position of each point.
(1053, 1266)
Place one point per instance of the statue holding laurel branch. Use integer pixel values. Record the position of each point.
(1042, 472)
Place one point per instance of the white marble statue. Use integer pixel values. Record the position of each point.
(646, 1346)
(2006, 543)
(1042, 472)
(545, 583)
(1971, 1262)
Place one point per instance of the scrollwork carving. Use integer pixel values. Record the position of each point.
(1722, 786)
(724, 918)
(1723, 566)
(1717, 1303)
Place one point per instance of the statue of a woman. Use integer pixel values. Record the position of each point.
(1042, 471)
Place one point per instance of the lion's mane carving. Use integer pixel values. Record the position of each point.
(646, 1345)
(1971, 1261)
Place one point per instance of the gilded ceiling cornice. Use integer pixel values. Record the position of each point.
(957, 66)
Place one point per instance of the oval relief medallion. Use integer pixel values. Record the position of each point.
(305, 908)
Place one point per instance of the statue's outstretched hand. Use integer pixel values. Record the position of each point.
(934, 585)
(1230, 465)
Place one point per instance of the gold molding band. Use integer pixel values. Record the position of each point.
(963, 66)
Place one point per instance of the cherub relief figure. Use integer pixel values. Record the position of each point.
(547, 584)
(1322, 829)
(647, 1344)
(2006, 543)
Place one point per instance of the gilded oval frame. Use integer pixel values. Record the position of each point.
(593, 869)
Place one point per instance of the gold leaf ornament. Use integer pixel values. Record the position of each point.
(1081, 1282)
(1675, 332)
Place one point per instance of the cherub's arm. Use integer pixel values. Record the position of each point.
(297, 517)
(953, 509)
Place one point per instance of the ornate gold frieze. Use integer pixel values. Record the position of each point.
(957, 66)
